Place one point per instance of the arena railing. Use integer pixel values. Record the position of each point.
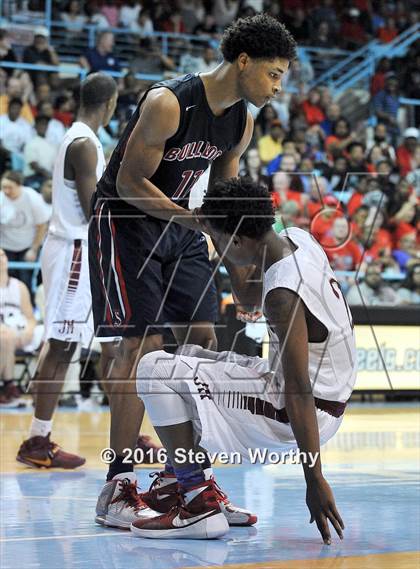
(77, 71)
(71, 44)
(361, 73)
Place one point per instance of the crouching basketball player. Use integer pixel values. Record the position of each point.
(227, 402)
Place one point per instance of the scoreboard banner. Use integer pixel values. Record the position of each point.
(390, 362)
(388, 357)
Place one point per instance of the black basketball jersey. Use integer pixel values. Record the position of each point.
(201, 138)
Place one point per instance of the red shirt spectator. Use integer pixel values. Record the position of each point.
(312, 108)
(388, 32)
(406, 152)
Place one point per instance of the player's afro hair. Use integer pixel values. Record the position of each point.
(97, 89)
(260, 36)
(239, 206)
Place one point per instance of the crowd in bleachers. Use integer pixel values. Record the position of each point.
(353, 183)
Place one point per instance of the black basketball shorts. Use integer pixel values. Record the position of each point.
(146, 273)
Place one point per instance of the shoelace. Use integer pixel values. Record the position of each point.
(219, 492)
(129, 495)
(156, 476)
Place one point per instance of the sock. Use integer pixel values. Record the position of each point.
(169, 469)
(189, 476)
(39, 428)
(118, 467)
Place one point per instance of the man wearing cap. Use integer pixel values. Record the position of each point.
(406, 152)
(41, 53)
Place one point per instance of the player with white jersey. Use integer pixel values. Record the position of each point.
(65, 269)
(233, 403)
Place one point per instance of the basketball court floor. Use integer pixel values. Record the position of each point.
(372, 465)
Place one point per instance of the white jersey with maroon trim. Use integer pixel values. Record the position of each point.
(68, 220)
(332, 364)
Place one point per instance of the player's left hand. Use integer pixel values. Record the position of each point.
(321, 504)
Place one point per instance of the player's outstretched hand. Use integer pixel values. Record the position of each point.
(321, 504)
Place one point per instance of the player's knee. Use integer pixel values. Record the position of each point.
(148, 379)
(149, 365)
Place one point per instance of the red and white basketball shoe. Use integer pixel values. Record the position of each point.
(119, 504)
(163, 495)
(41, 452)
(197, 515)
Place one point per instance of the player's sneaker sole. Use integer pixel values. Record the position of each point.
(212, 527)
(112, 522)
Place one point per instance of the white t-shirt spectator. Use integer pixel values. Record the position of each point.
(14, 134)
(39, 150)
(55, 132)
(19, 218)
(144, 30)
(129, 14)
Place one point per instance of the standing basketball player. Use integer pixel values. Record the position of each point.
(234, 403)
(65, 270)
(148, 259)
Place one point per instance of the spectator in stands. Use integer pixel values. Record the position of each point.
(356, 158)
(202, 63)
(39, 155)
(7, 55)
(55, 130)
(380, 138)
(298, 26)
(407, 252)
(386, 104)
(193, 13)
(322, 36)
(406, 158)
(129, 13)
(15, 131)
(94, 15)
(224, 12)
(207, 27)
(18, 88)
(149, 59)
(409, 292)
(378, 80)
(270, 145)
(64, 110)
(111, 13)
(17, 326)
(388, 32)
(74, 20)
(41, 53)
(101, 57)
(358, 221)
(333, 113)
(373, 291)
(287, 215)
(300, 74)
(337, 175)
(352, 33)
(338, 142)
(343, 252)
(173, 23)
(253, 167)
(263, 120)
(128, 97)
(311, 106)
(143, 24)
(324, 12)
(23, 222)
